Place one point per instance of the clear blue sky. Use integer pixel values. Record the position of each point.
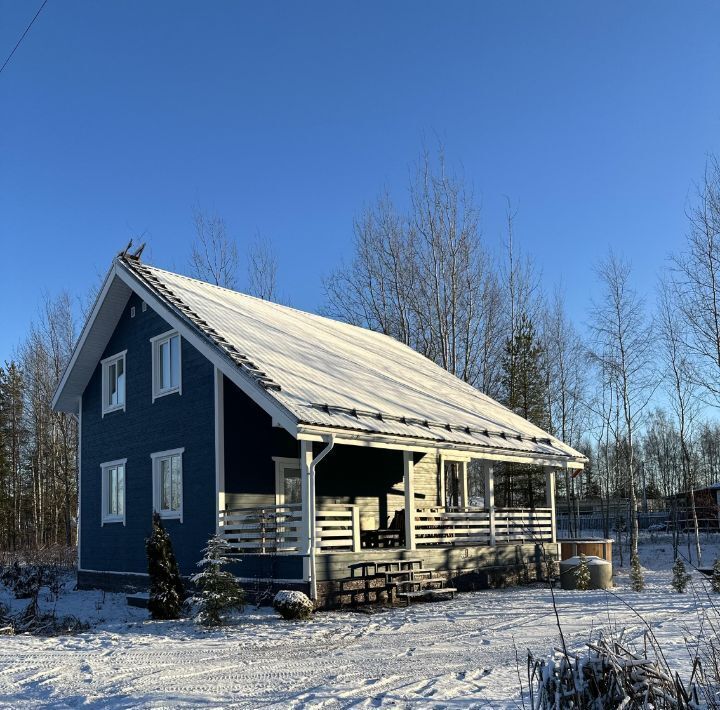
(115, 118)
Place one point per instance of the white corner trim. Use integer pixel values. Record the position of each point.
(219, 447)
(155, 342)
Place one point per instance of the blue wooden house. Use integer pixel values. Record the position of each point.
(308, 443)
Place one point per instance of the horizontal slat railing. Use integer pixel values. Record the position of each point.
(437, 526)
(272, 529)
(337, 528)
(523, 525)
(278, 529)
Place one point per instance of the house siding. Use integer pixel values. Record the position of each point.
(251, 441)
(174, 421)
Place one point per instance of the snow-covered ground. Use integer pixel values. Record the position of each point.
(460, 653)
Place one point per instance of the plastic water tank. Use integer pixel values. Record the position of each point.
(600, 572)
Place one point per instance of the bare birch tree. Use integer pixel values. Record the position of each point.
(214, 255)
(696, 281)
(262, 268)
(682, 388)
(424, 277)
(565, 388)
(623, 349)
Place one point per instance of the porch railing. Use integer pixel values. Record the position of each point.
(279, 529)
(472, 526)
(272, 529)
(523, 525)
(437, 526)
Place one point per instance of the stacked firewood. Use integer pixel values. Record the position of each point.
(608, 675)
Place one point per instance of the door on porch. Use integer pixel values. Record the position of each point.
(454, 484)
(287, 482)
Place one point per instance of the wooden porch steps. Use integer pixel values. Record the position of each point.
(389, 580)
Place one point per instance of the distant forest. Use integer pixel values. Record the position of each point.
(424, 274)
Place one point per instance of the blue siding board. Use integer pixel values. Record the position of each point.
(250, 443)
(174, 421)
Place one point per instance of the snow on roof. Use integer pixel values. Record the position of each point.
(331, 374)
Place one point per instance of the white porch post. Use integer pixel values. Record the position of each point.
(305, 461)
(409, 485)
(550, 498)
(489, 475)
(464, 484)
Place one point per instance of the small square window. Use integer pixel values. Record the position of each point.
(132, 311)
(168, 483)
(166, 364)
(113, 383)
(113, 491)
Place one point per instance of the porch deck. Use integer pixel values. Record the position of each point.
(470, 566)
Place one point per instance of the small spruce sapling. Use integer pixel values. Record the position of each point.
(219, 590)
(637, 583)
(167, 594)
(680, 577)
(582, 574)
(715, 579)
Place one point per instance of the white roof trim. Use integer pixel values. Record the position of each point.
(464, 451)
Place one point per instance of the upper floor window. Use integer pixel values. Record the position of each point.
(166, 364)
(113, 491)
(113, 383)
(167, 483)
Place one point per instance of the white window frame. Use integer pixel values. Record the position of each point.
(105, 516)
(156, 459)
(281, 463)
(156, 342)
(105, 364)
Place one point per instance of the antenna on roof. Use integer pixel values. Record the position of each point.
(139, 251)
(125, 251)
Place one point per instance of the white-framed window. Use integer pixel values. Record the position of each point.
(113, 383)
(168, 483)
(113, 492)
(166, 364)
(288, 486)
(454, 481)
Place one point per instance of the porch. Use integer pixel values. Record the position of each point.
(279, 529)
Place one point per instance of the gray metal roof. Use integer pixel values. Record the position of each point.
(326, 373)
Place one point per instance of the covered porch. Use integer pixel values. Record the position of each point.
(426, 511)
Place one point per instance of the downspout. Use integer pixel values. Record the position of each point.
(313, 531)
